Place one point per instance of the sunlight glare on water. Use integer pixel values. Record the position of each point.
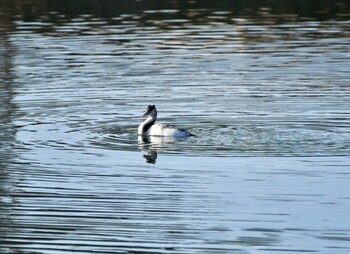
(265, 90)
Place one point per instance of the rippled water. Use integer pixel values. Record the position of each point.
(267, 95)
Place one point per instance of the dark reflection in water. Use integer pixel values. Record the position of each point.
(264, 85)
(7, 135)
(146, 145)
(151, 145)
(296, 9)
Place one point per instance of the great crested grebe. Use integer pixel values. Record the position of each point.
(150, 128)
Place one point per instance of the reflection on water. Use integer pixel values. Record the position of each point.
(263, 85)
(151, 145)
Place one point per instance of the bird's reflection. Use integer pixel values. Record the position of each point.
(151, 156)
(151, 145)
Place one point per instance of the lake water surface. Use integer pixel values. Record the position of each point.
(264, 89)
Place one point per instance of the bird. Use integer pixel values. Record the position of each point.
(149, 128)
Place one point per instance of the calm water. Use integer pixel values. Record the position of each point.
(264, 87)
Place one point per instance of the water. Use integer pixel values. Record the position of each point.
(264, 88)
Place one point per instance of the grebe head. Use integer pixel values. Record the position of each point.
(150, 111)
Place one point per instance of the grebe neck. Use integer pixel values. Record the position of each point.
(145, 125)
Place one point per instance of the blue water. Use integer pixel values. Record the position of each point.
(266, 93)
